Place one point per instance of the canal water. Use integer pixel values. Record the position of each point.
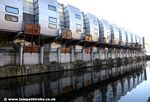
(126, 83)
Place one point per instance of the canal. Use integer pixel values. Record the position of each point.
(125, 83)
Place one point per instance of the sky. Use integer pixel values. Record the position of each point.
(133, 15)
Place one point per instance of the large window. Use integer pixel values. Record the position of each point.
(95, 22)
(51, 7)
(77, 16)
(30, 1)
(123, 36)
(52, 20)
(35, 1)
(12, 10)
(11, 18)
(78, 26)
(36, 18)
(52, 26)
(78, 30)
(96, 31)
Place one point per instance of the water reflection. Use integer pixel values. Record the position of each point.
(85, 85)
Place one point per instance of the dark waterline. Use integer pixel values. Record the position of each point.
(127, 83)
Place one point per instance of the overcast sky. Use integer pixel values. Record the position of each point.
(134, 15)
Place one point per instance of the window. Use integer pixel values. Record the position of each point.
(77, 16)
(12, 10)
(95, 22)
(53, 26)
(108, 27)
(78, 26)
(51, 7)
(78, 30)
(52, 20)
(36, 18)
(35, 1)
(96, 31)
(123, 36)
(11, 18)
(30, 1)
(28, 10)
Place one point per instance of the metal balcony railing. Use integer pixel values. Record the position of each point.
(32, 29)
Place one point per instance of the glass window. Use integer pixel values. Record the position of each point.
(123, 36)
(96, 31)
(52, 20)
(78, 30)
(30, 1)
(51, 7)
(78, 26)
(95, 22)
(35, 1)
(52, 26)
(60, 10)
(28, 10)
(11, 18)
(12, 10)
(77, 16)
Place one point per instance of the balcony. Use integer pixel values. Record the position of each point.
(32, 29)
(67, 34)
(31, 49)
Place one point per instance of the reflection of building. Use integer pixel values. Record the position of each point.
(130, 83)
(148, 99)
(87, 79)
(78, 99)
(108, 93)
(135, 80)
(97, 96)
(117, 90)
(76, 86)
(103, 74)
(147, 47)
(52, 87)
(95, 76)
(78, 80)
(124, 86)
(66, 82)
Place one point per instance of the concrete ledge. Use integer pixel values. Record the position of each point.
(13, 71)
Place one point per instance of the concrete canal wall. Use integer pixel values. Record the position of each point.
(18, 63)
(55, 56)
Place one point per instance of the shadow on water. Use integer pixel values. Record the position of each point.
(97, 84)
